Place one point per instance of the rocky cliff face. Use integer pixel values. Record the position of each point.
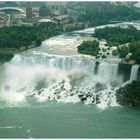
(129, 95)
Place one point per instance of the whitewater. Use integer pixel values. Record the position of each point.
(55, 80)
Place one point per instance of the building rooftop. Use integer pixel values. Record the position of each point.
(12, 9)
(45, 20)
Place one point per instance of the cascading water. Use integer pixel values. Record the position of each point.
(62, 75)
(134, 72)
(58, 62)
(108, 71)
(57, 72)
(60, 78)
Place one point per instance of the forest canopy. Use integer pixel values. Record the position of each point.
(89, 47)
(16, 37)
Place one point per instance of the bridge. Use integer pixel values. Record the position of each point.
(10, 10)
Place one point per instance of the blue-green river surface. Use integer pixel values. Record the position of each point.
(59, 120)
(54, 92)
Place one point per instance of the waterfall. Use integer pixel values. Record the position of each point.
(60, 78)
(134, 72)
(59, 62)
(108, 71)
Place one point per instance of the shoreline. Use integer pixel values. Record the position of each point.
(8, 53)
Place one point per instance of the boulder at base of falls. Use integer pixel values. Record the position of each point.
(129, 95)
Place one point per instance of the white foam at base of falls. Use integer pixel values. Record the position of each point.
(61, 78)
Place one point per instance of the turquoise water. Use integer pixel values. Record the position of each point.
(26, 85)
(59, 120)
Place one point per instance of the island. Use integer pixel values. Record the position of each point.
(127, 44)
(89, 47)
(127, 41)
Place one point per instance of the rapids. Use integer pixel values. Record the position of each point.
(55, 71)
(52, 91)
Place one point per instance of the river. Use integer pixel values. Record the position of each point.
(54, 92)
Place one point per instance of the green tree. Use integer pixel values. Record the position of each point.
(89, 47)
(123, 51)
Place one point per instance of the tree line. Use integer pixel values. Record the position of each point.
(99, 13)
(89, 47)
(16, 37)
(116, 36)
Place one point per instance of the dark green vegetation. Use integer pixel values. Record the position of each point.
(134, 48)
(99, 13)
(89, 47)
(129, 95)
(16, 37)
(5, 57)
(123, 51)
(116, 36)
